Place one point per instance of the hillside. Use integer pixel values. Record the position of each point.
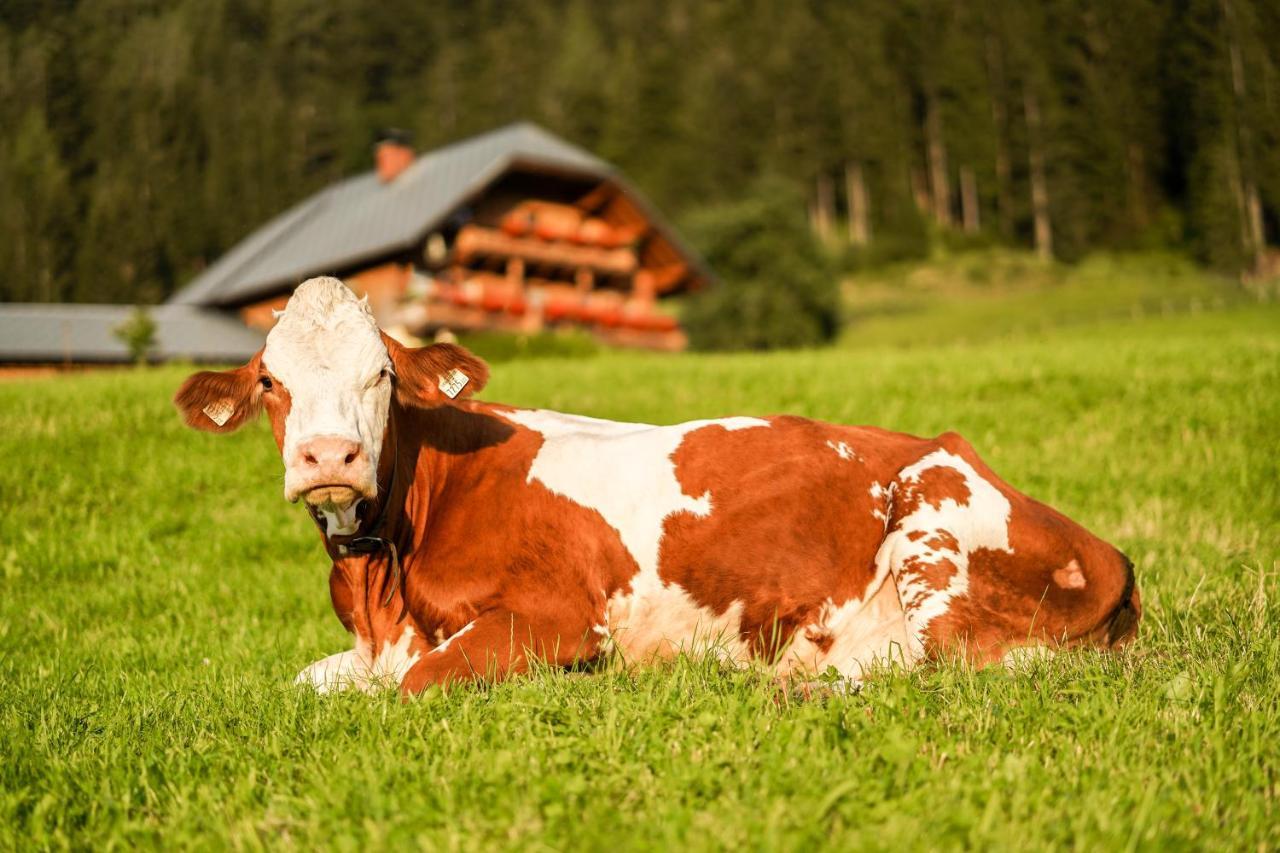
(998, 294)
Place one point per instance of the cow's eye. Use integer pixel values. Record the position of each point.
(266, 383)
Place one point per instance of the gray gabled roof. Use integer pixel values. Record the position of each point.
(49, 333)
(361, 218)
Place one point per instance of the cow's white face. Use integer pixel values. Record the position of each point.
(326, 379)
(326, 354)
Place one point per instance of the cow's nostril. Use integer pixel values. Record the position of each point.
(351, 457)
(309, 459)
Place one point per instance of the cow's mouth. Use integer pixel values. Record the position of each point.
(339, 505)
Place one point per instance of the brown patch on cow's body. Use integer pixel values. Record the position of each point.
(943, 540)
(937, 573)
(937, 485)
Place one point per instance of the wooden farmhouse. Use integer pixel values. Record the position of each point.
(513, 230)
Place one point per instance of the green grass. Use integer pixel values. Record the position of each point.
(157, 596)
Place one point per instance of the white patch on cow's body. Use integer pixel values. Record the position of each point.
(395, 660)
(444, 647)
(623, 471)
(981, 522)
(881, 502)
(843, 450)
(662, 620)
(327, 352)
(605, 644)
(626, 472)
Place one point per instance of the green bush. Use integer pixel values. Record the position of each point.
(777, 288)
(138, 333)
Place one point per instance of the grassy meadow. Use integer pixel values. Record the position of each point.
(157, 596)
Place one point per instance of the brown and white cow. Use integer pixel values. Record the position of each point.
(469, 538)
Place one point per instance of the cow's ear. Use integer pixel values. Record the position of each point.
(221, 400)
(435, 374)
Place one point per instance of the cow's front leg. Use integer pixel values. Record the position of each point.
(336, 672)
(497, 644)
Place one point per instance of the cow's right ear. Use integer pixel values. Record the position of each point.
(220, 400)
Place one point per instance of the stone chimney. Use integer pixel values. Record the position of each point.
(392, 154)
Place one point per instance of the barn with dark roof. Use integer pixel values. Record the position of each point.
(513, 230)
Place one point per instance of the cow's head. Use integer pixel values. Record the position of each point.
(328, 380)
(1058, 586)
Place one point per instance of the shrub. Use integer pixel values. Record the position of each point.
(138, 334)
(777, 288)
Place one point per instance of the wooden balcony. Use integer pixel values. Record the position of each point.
(477, 244)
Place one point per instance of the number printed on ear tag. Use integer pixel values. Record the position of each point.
(220, 411)
(453, 382)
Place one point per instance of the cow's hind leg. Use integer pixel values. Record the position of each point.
(944, 512)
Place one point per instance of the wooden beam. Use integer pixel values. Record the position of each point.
(597, 198)
(474, 244)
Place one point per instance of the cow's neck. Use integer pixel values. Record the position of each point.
(420, 449)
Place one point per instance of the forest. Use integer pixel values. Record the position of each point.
(139, 139)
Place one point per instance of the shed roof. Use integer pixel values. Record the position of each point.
(361, 218)
(43, 333)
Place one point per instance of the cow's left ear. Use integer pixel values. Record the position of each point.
(435, 374)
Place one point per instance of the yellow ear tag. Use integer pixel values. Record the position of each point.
(452, 383)
(220, 411)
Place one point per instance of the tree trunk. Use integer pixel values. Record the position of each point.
(939, 183)
(920, 191)
(1136, 163)
(1039, 184)
(1000, 119)
(1236, 183)
(969, 200)
(1253, 207)
(824, 207)
(1253, 238)
(859, 215)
